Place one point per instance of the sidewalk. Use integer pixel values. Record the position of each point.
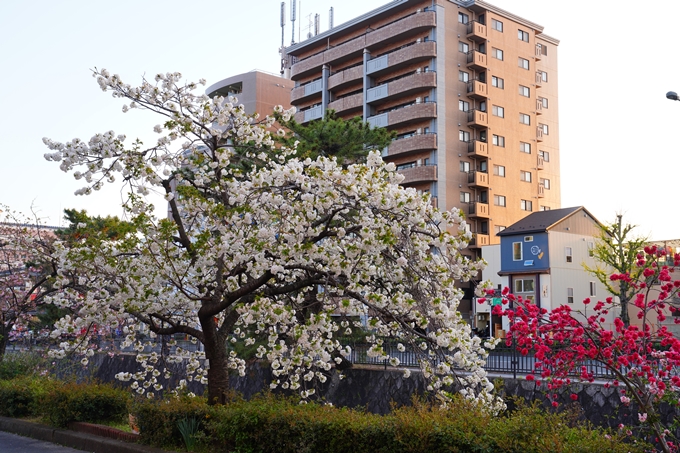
(77, 440)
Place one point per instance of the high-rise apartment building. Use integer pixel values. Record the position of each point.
(470, 89)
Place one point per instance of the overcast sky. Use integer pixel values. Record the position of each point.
(619, 135)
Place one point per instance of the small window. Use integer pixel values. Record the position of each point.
(517, 251)
(544, 127)
(499, 200)
(591, 249)
(497, 82)
(463, 18)
(465, 197)
(542, 49)
(464, 166)
(524, 118)
(498, 228)
(525, 176)
(544, 75)
(545, 208)
(498, 111)
(406, 165)
(464, 136)
(593, 289)
(568, 254)
(528, 239)
(545, 183)
(570, 295)
(522, 35)
(525, 147)
(497, 54)
(544, 102)
(526, 205)
(463, 106)
(497, 25)
(545, 155)
(524, 91)
(523, 63)
(463, 76)
(499, 170)
(498, 140)
(463, 47)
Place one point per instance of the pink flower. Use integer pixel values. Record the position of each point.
(642, 417)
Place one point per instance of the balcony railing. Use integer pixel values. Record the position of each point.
(416, 142)
(539, 134)
(478, 148)
(478, 209)
(420, 173)
(478, 119)
(476, 31)
(476, 60)
(477, 89)
(540, 164)
(479, 240)
(478, 178)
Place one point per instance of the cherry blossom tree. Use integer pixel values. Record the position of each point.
(643, 361)
(261, 244)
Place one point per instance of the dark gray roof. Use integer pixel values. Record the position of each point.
(539, 222)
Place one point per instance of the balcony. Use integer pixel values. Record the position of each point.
(538, 54)
(347, 104)
(477, 209)
(539, 79)
(477, 89)
(476, 60)
(476, 31)
(419, 174)
(310, 114)
(541, 191)
(478, 149)
(402, 87)
(539, 163)
(539, 106)
(479, 240)
(418, 142)
(306, 92)
(343, 78)
(539, 134)
(478, 119)
(410, 113)
(478, 179)
(403, 56)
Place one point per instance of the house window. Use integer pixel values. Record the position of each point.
(544, 76)
(568, 254)
(542, 49)
(463, 47)
(522, 35)
(524, 285)
(497, 25)
(591, 249)
(570, 295)
(524, 91)
(544, 102)
(484, 227)
(498, 228)
(545, 155)
(482, 136)
(525, 176)
(497, 54)
(525, 147)
(544, 127)
(464, 136)
(593, 289)
(464, 166)
(517, 251)
(528, 239)
(463, 76)
(526, 205)
(499, 170)
(483, 196)
(523, 63)
(497, 82)
(498, 111)
(498, 140)
(463, 106)
(524, 118)
(545, 183)
(545, 208)
(499, 200)
(463, 18)
(465, 197)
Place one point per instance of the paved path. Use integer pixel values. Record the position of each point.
(13, 443)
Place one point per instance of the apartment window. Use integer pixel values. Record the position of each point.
(545, 155)
(526, 205)
(463, 76)
(484, 227)
(463, 47)
(497, 54)
(544, 127)
(593, 289)
(524, 118)
(464, 166)
(525, 176)
(570, 295)
(406, 165)
(497, 82)
(499, 200)
(544, 76)
(544, 102)
(545, 183)
(544, 208)
(498, 111)
(517, 251)
(483, 196)
(497, 25)
(523, 63)
(542, 49)
(522, 35)
(499, 170)
(463, 18)
(463, 106)
(524, 285)
(525, 147)
(568, 254)
(498, 140)
(464, 136)
(498, 228)
(524, 91)
(465, 197)
(482, 136)
(591, 249)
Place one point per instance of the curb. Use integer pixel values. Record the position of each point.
(77, 440)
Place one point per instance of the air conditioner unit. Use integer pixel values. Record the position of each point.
(419, 100)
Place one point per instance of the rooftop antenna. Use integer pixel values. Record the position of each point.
(317, 24)
(283, 25)
(292, 19)
(330, 18)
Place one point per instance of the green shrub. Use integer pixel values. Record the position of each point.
(13, 364)
(23, 396)
(93, 403)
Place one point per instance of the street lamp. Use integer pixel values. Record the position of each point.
(673, 96)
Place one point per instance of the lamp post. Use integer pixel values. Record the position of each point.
(673, 96)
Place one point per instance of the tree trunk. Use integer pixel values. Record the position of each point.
(216, 354)
(3, 345)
